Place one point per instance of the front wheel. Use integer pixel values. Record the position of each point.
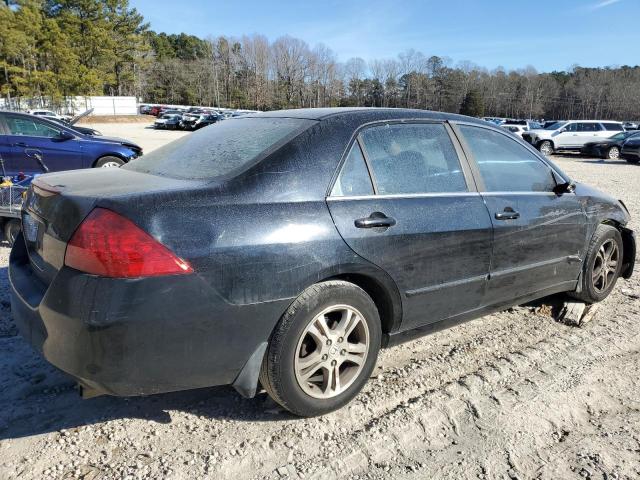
(546, 148)
(323, 350)
(613, 153)
(602, 265)
(109, 162)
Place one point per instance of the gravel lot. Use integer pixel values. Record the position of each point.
(511, 395)
(141, 133)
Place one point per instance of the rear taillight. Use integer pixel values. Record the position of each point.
(109, 245)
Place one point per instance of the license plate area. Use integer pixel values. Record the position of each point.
(33, 230)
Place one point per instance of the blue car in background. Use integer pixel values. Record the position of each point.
(34, 145)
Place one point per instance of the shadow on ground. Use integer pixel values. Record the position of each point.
(37, 398)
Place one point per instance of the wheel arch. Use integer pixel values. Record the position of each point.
(542, 140)
(385, 297)
(628, 246)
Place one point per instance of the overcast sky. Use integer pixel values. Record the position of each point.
(548, 34)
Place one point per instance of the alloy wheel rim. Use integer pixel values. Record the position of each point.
(605, 266)
(331, 351)
(110, 165)
(546, 149)
(614, 153)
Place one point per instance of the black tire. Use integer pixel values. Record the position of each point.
(613, 153)
(546, 146)
(109, 161)
(277, 374)
(11, 230)
(592, 291)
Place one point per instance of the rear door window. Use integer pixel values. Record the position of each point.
(505, 165)
(226, 148)
(589, 127)
(613, 127)
(413, 158)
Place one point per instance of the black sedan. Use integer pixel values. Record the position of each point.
(284, 249)
(631, 149)
(608, 148)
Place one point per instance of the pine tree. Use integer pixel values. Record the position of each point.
(473, 104)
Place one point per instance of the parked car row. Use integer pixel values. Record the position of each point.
(187, 121)
(596, 138)
(580, 136)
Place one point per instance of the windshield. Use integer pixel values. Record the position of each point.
(621, 136)
(222, 149)
(555, 126)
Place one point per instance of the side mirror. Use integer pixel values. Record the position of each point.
(562, 186)
(566, 187)
(64, 136)
(562, 130)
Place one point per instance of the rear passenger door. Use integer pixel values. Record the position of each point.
(539, 236)
(406, 202)
(590, 132)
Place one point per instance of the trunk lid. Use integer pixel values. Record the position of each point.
(57, 203)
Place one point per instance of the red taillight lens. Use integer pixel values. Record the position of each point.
(109, 245)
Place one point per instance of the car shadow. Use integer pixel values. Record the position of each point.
(586, 159)
(37, 398)
(603, 162)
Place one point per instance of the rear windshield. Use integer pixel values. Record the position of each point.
(223, 149)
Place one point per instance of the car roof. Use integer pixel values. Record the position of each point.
(355, 113)
(594, 121)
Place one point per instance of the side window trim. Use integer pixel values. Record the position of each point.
(353, 143)
(474, 164)
(367, 162)
(473, 181)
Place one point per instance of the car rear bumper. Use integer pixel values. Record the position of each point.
(137, 336)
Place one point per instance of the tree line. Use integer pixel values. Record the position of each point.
(52, 49)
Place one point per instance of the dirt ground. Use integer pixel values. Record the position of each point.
(513, 395)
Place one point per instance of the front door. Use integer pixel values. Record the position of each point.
(34, 139)
(421, 221)
(567, 137)
(539, 236)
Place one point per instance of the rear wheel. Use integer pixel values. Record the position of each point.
(109, 162)
(11, 230)
(323, 349)
(546, 147)
(613, 153)
(602, 265)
